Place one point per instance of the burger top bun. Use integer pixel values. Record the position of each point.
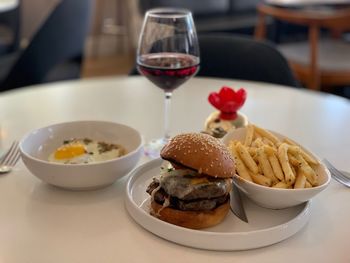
(201, 152)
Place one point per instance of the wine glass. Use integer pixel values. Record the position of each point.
(167, 55)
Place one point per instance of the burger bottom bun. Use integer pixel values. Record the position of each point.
(191, 219)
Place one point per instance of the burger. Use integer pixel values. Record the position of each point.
(193, 189)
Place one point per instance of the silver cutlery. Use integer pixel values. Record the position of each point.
(10, 158)
(236, 204)
(336, 174)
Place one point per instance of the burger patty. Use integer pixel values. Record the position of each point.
(193, 205)
(195, 187)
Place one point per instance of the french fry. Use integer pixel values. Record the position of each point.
(256, 136)
(267, 134)
(289, 141)
(257, 143)
(259, 165)
(308, 158)
(283, 158)
(281, 185)
(275, 165)
(306, 169)
(293, 170)
(294, 161)
(249, 135)
(307, 184)
(261, 179)
(268, 142)
(246, 157)
(232, 143)
(261, 157)
(270, 150)
(300, 180)
(296, 149)
(241, 169)
(255, 158)
(252, 151)
(265, 165)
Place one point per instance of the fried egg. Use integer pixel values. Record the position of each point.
(82, 151)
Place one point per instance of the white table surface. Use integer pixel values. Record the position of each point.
(6, 5)
(40, 223)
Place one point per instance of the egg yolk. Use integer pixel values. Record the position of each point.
(69, 151)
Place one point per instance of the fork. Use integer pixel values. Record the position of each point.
(10, 158)
(336, 174)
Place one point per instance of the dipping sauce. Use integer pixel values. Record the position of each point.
(83, 151)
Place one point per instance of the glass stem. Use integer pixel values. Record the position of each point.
(167, 115)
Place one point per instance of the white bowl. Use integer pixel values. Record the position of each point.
(37, 145)
(277, 198)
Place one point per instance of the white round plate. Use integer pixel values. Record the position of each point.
(265, 227)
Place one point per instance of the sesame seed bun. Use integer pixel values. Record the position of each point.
(201, 152)
(191, 219)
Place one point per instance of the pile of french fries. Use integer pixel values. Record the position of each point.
(264, 159)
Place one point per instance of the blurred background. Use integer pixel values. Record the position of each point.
(117, 23)
(111, 39)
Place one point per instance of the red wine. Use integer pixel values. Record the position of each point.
(168, 70)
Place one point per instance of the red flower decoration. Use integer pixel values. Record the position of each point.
(228, 102)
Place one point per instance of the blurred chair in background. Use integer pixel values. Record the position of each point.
(240, 57)
(56, 50)
(322, 62)
(10, 29)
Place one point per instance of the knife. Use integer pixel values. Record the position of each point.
(236, 204)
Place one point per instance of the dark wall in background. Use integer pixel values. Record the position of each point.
(214, 15)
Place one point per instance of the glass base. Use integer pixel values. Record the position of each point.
(153, 148)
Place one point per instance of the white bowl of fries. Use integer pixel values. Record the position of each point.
(274, 171)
